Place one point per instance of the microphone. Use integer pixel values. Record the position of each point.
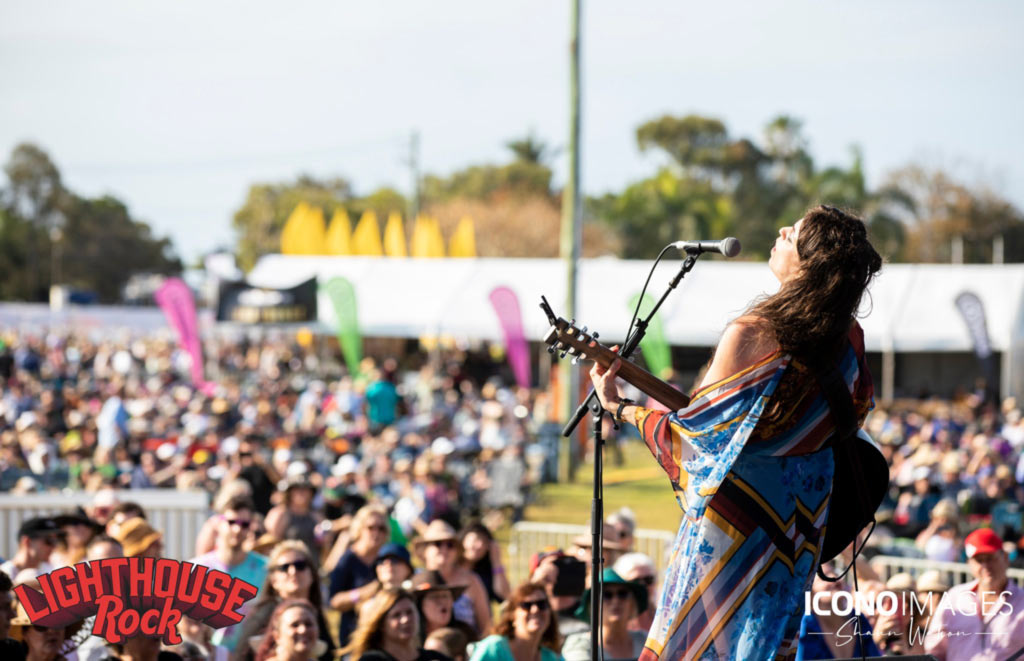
(729, 246)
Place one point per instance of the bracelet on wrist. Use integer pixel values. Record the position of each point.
(623, 403)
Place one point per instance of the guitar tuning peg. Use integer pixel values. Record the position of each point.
(583, 330)
(595, 335)
(573, 322)
(562, 355)
(576, 360)
(551, 350)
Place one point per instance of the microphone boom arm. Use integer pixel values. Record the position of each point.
(631, 343)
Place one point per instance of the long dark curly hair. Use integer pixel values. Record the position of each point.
(811, 314)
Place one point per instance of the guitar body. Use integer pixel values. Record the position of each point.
(858, 488)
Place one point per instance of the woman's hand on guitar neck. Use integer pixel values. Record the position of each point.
(606, 389)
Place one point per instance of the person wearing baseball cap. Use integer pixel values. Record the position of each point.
(982, 619)
(37, 538)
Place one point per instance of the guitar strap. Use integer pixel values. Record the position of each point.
(851, 508)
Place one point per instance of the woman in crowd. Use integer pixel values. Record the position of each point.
(295, 517)
(352, 580)
(438, 548)
(482, 554)
(621, 601)
(292, 634)
(291, 574)
(526, 631)
(435, 601)
(43, 643)
(389, 630)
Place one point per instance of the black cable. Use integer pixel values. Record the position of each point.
(640, 300)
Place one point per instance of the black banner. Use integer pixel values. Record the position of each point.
(240, 302)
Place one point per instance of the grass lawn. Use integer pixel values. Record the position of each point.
(639, 483)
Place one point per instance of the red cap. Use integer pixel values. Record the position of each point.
(982, 540)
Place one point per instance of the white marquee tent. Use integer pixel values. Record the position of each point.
(911, 307)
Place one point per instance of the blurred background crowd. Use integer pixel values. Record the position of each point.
(374, 510)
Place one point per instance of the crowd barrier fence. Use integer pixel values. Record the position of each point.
(954, 573)
(529, 537)
(179, 515)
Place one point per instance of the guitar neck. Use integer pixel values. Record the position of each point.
(643, 380)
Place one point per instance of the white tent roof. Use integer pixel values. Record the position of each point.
(911, 307)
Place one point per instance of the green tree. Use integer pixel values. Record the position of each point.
(47, 231)
(105, 246)
(941, 208)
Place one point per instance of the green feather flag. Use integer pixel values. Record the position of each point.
(656, 351)
(343, 298)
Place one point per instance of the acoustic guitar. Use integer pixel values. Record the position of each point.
(861, 474)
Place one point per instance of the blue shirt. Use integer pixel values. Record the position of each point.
(812, 643)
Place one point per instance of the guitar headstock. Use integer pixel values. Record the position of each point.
(571, 340)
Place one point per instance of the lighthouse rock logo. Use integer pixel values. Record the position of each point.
(136, 596)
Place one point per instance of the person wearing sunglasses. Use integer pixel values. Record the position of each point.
(43, 643)
(638, 567)
(527, 629)
(352, 580)
(291, 574)
(621, 601)
(37, 539)
(230, 555)
(441, 553)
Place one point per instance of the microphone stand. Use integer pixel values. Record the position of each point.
(631, 343)
(592, 404)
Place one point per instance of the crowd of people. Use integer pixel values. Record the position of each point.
(366, 508)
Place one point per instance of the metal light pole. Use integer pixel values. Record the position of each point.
(572, 234)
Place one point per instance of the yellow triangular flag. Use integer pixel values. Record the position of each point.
(394, 236)
(366, 238)
(310, 238)
(339, 234)
(292, 229)
(463, 241)
(420, 241)
(436, 240)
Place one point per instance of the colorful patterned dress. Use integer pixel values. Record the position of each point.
(755, 501)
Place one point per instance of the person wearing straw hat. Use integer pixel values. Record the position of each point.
(139, 539)
(621, 601)
(439, 549)
(43, 643)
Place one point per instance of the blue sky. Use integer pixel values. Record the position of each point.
(176, 108)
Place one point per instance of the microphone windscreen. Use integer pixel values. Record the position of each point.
(730, 246)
